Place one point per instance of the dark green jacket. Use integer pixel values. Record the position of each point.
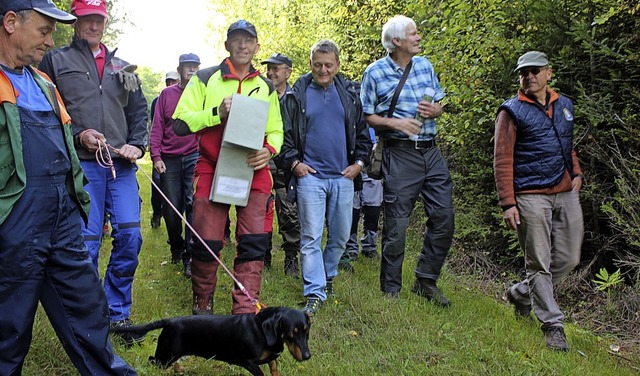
(13, 177)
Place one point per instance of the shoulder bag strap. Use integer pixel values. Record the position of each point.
(394, 100)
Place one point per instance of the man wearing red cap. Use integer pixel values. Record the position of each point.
(203, 109)
(103, 97)
(43, 206)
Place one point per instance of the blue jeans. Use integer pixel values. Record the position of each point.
(120, 199)
(177, 184)
(319, 199)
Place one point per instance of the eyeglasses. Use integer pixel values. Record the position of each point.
(525, 72)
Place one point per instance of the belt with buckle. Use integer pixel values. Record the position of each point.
(408, 144)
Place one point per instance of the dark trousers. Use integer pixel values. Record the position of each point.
(156, 198)
(177, 184)
(409, 174)
(288, 225)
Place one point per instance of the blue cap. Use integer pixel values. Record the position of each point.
(189, 58)
(244, 26)
(44, 7)
(278, 58)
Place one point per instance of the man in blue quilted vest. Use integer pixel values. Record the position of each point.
(538, 178)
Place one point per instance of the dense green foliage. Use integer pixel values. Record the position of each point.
(593, 46)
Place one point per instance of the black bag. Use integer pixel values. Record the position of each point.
(374, 169)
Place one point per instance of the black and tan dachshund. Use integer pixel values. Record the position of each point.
(244, 340)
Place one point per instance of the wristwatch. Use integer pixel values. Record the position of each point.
(360, 163)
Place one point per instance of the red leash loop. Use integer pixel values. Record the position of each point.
(103, 157)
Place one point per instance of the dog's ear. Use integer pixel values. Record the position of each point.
(271, 328)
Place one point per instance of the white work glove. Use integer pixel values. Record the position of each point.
(129, 78)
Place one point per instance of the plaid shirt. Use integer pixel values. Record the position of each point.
(379, 82)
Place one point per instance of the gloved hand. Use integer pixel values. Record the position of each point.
(129, 78)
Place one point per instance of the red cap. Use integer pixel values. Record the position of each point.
(86, 7)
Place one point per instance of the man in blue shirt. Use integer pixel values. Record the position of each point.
(325, 146)
(412, 164)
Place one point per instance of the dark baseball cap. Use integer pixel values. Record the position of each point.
(44, 7)
(188, 58)
(278, 58)
(532, 59)
(242, 25)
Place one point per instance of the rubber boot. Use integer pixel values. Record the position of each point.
(203, 283)
(250, 275)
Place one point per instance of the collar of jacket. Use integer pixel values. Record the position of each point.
(228, 74)
(83, 45)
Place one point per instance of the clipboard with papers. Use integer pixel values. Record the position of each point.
(244, 133)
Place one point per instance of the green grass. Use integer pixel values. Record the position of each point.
(358, 333)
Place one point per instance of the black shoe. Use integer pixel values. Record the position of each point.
(391, 295)
(428, 289)
(291, 267)
(155, 221)
(186, 271)
(346, 266)
(176, 256)
(128, 338)
(328, 289)
(522, 311)
(556, 339)
(371, 254)
(313, 306)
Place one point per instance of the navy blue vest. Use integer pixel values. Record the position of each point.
(543, 146)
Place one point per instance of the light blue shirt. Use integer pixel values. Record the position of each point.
(379, 82)
(30, 95)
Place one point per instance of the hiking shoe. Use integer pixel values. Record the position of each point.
(371, 254)
(556, 339)
(155, 221)
(522, 311)
(202, 305)
(128, 338)
(291, 267)
(176, 255)
(428, 289)
(329, 289)
(346, 266)
(391, 295)
(186, 271)
(313, 306)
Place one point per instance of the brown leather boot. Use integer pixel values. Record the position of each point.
(203, 283)
(250, 275)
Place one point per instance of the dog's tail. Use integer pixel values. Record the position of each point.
(139, 330)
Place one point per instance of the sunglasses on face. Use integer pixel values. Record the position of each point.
(525, 72)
